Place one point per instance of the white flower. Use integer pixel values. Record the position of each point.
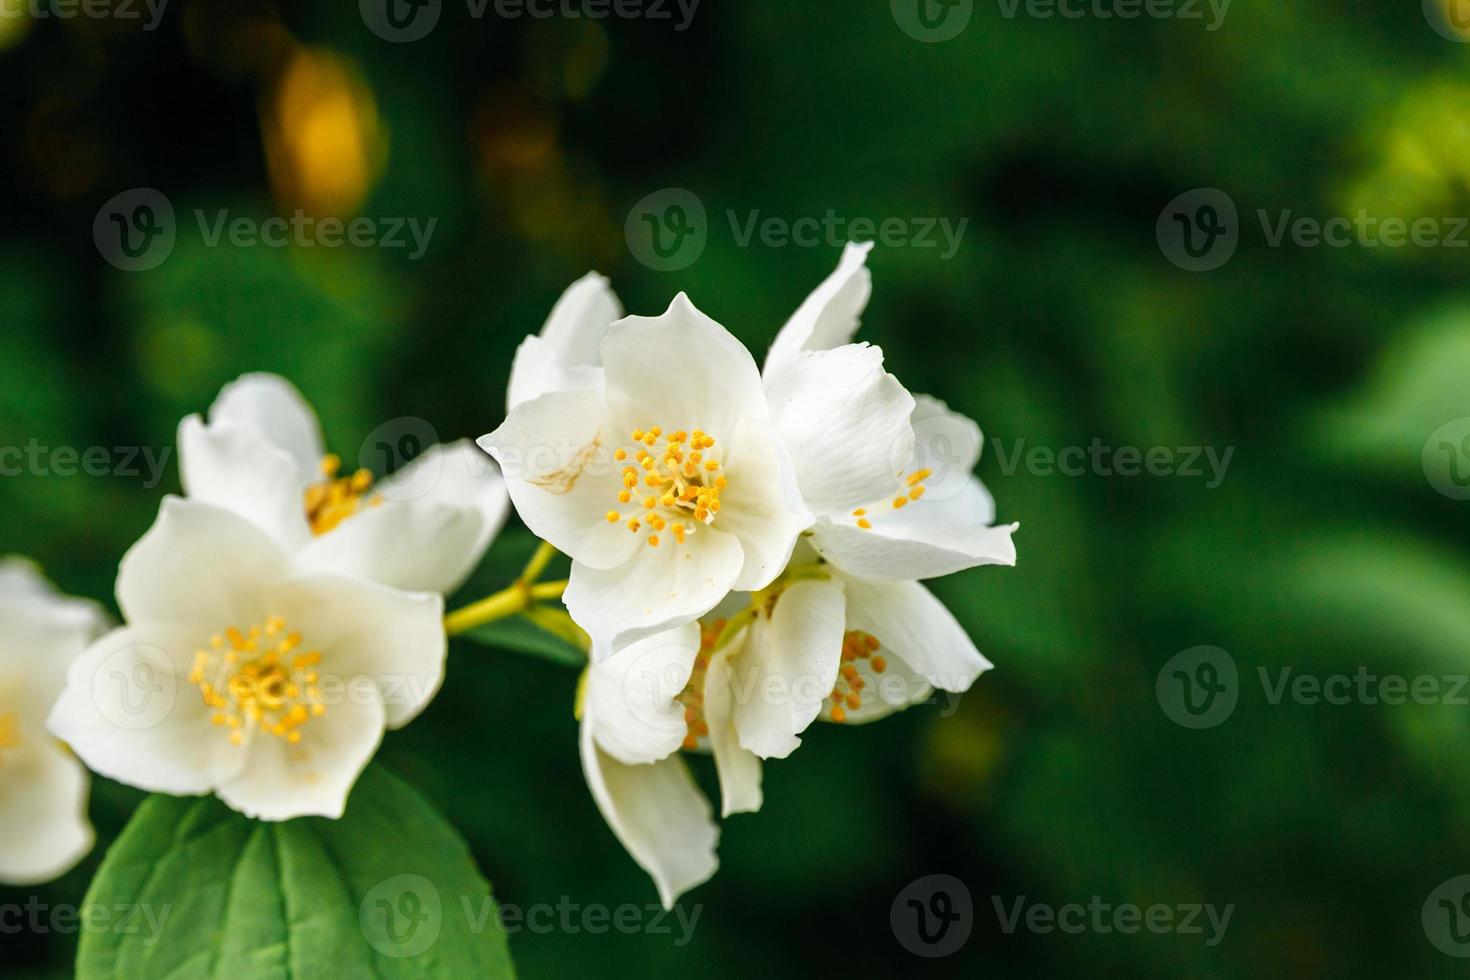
(261, 455)
(43, 788)
(242, 674)
(878, 529)
(567, 354)
(665, 484)
(739, 689)
(876, 520)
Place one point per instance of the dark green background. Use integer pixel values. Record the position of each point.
(1325, 548)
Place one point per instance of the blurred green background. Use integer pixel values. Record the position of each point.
(1058, 321)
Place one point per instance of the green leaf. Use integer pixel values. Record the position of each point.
(390, 890)
(545, 637)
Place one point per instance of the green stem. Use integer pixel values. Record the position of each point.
(511, 600)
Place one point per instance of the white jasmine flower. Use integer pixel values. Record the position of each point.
(873, 517)
(666, 484)
(240, 673)
(261, 455)
(43, 788)
(738, 689)
(567, 353)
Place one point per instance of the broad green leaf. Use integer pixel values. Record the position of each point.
(390, 890)
(536, 634)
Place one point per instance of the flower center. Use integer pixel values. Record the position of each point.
(692, 697)
(847, 694)
(335, 498)
(915, 484)
(9, 734)
(673, 482)
(251, 679)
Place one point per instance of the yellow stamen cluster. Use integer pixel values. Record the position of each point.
(335, 498)
(847, 694)
(692, 697)
(9, 733)
(915, 489)
(668, 479)
(256, 679)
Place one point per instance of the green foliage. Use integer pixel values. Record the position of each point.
(389, 890)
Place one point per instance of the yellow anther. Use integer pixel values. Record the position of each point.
(649, 502)
(711, 466)
(879, 664)
(613, 517)
(633, 525)
(865, 524)
(653, 540)
(637, 435)
(860, 512)
(900, 502)
(838, 715)
(620, 454)
(919, 476)
(916, 493)
(624, 496)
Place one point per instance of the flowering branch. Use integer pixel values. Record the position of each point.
(512, 600)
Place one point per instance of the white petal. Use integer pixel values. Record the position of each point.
(658, 813)
(680, 370)
(846, 424)
(829, 316)
(761, 505)
(909, 621)
(656, 589)
(580, 319)
(198, 564)
(927, 539)
(536, 369)
(312, 778)
(43, 812)
(238, 468)
(131, 714)
(632, 696)
(41, 633)
(430, 529)
(739, 769)
(556, 454)
(944, 441)
(370, 630)
(788, 667)
(272, 405)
